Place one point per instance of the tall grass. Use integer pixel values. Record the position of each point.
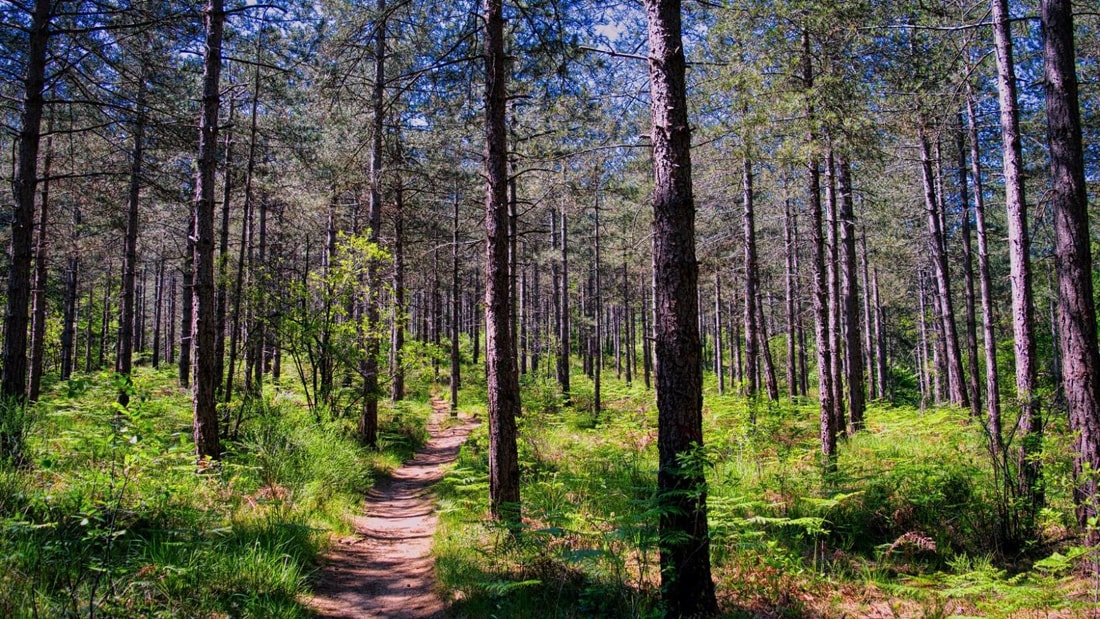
(908, 521)
(112, 518)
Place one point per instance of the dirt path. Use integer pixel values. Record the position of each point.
(385, 569)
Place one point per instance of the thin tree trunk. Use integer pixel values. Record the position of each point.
(563, 325)
(719, 371)
(789, 251)
(868, 317)
(952, 360)
(686, 585)
(68, 329)
(222, 294)
(158, 300)
(647, 338)
(126, 322)
(1029, 422)
(752, 338)
(368, 420)
(41, 272)
(849, 293)
(968, 279)
(880, 339)
(1073, 257)
(187, 306)
(106, 319)
(207, 441)
(771, 383)
(456, 368)
(832, 266)
(598, 311)
(397, 342)
(821, 284)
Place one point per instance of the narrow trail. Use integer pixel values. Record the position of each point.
(384, 570)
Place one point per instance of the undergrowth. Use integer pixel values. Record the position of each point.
(111, 517)
(906, 526)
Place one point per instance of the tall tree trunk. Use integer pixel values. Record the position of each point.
(222, 295)
(849, 294)
(597, 307)
(503, 386)
(868, 317)
(789, 278)
(397, 342)
(968, 279)
(821, 283)
(719, 371)
(244, 255)
(456, 367)
(68, 329)
(187, 305)
(647, 338)
(686, 585)
(752, 338)
(207, 441)
(1073, 258)
(880, 340)
(946, 308)
(157, 303)
(105, 318)
(126, 321)
(41, 272)
(368, 420)
(563, 324)
(14, 381)
(832, 275)
(1029, 422)
(993, 396)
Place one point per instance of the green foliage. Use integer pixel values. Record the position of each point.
(908, 521)
(111, 518)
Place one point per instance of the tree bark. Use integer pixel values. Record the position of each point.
(222, 298)
(821, 283)
(126, 321)
(397, 342)
(1073, 258)
(1029, 422)
(686, 585)
(368, 419)
(13, 384)
(789, 279)
(187, 306)
(849, 293)
(563, 324)
(953, 358)
(752, 337)
(968, 279)
(68, 329)
(41, 273)
(503, 386)
(207, 441)
(456, 367)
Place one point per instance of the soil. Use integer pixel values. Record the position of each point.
(385, 569)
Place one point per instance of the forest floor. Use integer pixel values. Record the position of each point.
(385, 568)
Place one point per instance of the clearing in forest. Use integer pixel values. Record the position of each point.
(385, 569)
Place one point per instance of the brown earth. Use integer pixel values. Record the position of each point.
(385, 568)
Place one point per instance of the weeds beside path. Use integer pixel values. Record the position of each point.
(385, 569)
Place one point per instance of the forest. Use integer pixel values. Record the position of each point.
(726, 308)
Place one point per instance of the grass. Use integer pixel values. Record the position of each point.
(907, 524)
(112, 518)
